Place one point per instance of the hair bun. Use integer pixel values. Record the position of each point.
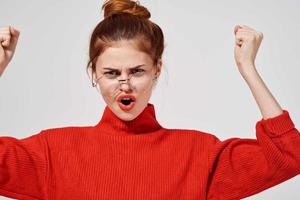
(112, 7)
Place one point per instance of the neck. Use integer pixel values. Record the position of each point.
(144, 123)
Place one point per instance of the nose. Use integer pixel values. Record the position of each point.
(125, 87)
(125, 84)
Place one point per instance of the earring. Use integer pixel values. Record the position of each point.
(93, 84)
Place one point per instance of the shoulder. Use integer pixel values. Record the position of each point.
(199, 142)
(68, 131)
(66, 138)
(190, 134)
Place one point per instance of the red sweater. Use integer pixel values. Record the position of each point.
(141, 160)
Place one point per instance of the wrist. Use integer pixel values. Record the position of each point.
(2, 68)
(246, 67)
(249, 73)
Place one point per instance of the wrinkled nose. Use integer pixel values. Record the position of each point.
(124, 82)
(125, 87)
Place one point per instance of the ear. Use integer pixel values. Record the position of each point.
(93, 74)
(158, 68)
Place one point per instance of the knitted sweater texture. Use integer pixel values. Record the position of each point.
(141, 160)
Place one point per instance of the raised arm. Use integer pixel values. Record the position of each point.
(8, 42)
(247, 42)
(23, 165)
(243, 167)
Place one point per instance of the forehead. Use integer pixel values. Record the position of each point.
(123, 54)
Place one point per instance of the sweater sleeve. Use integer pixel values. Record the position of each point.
(23, 167)
(244, 167)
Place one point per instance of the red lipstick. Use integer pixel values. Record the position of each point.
(126, 102)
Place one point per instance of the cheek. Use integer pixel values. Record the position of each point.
(107, 92)
(145, 88)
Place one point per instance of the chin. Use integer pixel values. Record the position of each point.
(126, 116)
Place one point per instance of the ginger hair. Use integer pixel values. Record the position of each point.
(126, 20)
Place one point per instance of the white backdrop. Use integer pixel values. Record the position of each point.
(46, 84)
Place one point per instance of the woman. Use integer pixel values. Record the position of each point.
(128, 154)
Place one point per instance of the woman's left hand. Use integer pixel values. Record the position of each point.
(247, 42)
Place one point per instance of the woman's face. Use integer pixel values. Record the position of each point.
(126, 98)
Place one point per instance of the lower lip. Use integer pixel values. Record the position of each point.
(126, 107)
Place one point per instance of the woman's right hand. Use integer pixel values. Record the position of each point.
(8, 42)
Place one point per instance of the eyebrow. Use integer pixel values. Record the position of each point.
(136, 67)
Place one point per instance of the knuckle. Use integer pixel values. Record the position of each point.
(252, 37)
(259, 36)
(7, 37)
(4, 29)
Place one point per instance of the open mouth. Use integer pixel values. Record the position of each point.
(126, 102)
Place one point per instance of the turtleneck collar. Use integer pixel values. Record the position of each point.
(145, 122)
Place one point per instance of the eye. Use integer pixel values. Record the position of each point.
(111, 74)
(137, 71)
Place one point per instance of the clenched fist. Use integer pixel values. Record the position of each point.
(8, 42)
(247, 42)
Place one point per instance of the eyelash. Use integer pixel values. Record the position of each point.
(114, 72)
(138, 70)
(110, 73)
